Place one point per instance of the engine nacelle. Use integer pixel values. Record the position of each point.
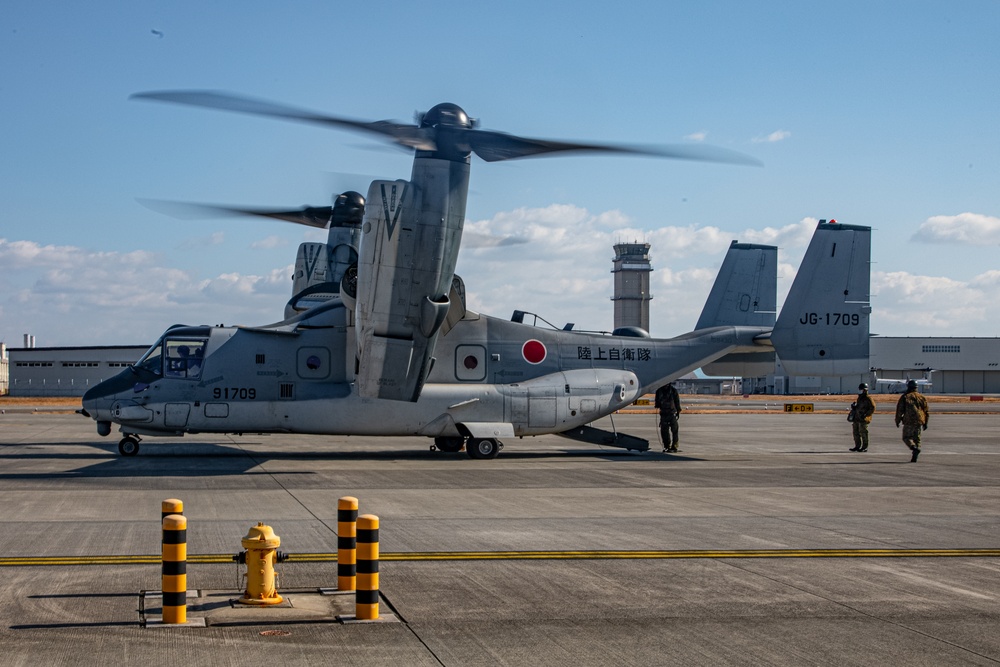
(404, 278)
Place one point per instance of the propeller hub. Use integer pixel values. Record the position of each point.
(348, 209)
(447, 115)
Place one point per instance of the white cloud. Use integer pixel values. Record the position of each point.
(908, 304)
(215, 238)
(73, 296)
(564, 272)
(776, 136)
(68, 295)
(697, 136)
(270, 243)
(969, 228)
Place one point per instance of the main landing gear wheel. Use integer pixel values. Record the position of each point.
(128, 446)
(483, 448)
(449, 444)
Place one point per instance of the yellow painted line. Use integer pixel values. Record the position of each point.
(30, 561)
(739, 553)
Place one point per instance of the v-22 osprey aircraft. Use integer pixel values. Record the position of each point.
(377, 340)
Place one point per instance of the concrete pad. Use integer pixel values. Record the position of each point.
(743, 482)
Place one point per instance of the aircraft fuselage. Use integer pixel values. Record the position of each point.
(490, 378)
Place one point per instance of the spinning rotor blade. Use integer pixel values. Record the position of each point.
(410, 136)
(445, 128)
(496, 146)
(311, 216)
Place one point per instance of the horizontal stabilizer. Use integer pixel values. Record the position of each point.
(823, 326)
(742, 364)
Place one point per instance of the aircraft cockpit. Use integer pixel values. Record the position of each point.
(180, 353)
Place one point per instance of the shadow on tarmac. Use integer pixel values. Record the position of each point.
(195, 459)
(60, 626)
(84, 596)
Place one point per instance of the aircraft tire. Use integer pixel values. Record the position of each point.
(128, 446)
(450, 445)
(483, 448)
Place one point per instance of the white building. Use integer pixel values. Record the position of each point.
(4, 372)
(950, 365)
(953, 365)
(66, 371)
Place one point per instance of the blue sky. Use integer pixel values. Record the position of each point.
(881, 114)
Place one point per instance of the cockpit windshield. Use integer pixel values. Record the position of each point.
(152, 360)
(175, 357)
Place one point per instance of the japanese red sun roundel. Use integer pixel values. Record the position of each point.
(533, 351)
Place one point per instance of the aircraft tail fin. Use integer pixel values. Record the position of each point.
(745, 291)
(824, 323)
(312, 282)
(744, 294)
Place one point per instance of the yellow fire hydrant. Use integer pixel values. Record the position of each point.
(260, 556)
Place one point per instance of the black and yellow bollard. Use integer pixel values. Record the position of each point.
(347, 526)
(171, 506)
(174, 569)
(366, 597)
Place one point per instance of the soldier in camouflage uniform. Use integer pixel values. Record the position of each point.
(861, 412)
(912, 412)
(668, 402)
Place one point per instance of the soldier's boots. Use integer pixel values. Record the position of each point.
(863, 449)
(855, 448)
(914, 455)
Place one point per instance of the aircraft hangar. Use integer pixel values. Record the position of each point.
(952, 365)
(66, 371)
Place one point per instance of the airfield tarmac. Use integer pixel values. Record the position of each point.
(765, 542)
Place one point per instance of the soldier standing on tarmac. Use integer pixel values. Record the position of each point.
(861, 413)
(912, 411)
(668, 402)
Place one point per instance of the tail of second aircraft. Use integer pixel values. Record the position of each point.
(823, 325)
(745, 291)
(744, 294)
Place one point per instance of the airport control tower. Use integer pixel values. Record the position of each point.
(632, 297)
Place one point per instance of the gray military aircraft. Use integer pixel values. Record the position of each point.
(377, 340)
(884, 385)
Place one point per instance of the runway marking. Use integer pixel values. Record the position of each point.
(30, 561)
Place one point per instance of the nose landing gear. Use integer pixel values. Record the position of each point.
(129, 445)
